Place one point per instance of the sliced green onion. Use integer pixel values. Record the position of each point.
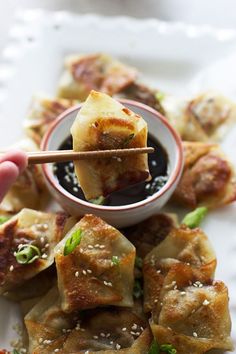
(168, 348)
(115, 260)
(15, 351)
(154, 348)
(3, 219)
(27, 254)
(128, 139)
(72, 242)
(99, 201)
(195, 218)
(137, 291)
(160, 96)
(138, 262)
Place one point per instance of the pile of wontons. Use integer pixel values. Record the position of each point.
(132, 291)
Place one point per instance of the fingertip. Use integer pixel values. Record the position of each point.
(18, 157)
(8, 175)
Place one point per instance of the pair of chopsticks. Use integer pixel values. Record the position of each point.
(41, 157)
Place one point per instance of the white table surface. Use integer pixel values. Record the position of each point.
(220, 13)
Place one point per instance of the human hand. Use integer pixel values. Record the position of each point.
(12, 164)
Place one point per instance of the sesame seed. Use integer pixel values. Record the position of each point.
(56, 350)
(64, 330)
(11, 268)
(135, 326)
(133, 333)
(77, 273)
(198, 284)
(75, 189)
(158, 271)
(87, 352)
(175, 287)
(155, 301)
(84, 272)
(44, 256)
(42, 239)
(118, 346)
(205, 302)
(90, 247)
(124, 329)
(108, 335)
(89, 271)
(40, 340)
(111, 342)
(47, 245)
(195, 334)
(141, 328)
(101, 246)
(97, 245)
(137, 333)
(102, 335)
(95, 337)
(183, 293)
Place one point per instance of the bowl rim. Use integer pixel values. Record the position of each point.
(143, 203)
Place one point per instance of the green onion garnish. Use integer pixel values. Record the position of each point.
(155, 348)
(3, 219)
(15, 351)
(138, 262)
(72, 242)
(115, 260)
(194, 218)
(160, 96)
(99, 201)
(168, 348)
(137, 291)
(27, 254)
(128, 139)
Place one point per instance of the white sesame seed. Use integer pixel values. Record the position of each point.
(134, 327)
(137, 333)
(77, 273)
(11, 268)
(95, 337)
(158, 271)
(64, 330)
(97, 245)
(111, 342)
(56, 350)
(205, 302)
(155, 301)
(175, 287)
(195, 334)
(40, 340)
(124, 329)
(90, 247)
(23, 350)
(89, 271)
(108, 335)
(84, 272)
(87, 352)
(183, 293)
(101, 246)
(102, 335)
(42, 239)
(44, 256)
(47, 245)
(118, 346)
(133, 333)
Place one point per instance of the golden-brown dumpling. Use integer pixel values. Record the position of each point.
(29, 227)
(182, 245)
(100, 72)
(42, 112)
(103, 123)
(208, 178)
(194, 319)
(150, 232)
(29, 190)
(105, 331)
(210, 115)
(99, 271)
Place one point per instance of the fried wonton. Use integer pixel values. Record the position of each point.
(100, 72)
(141, 93)
(182, 245)
(29, 190)
(209, 116)
(42, 112)
(103, 123)
(99, 271)
(29, 227)
(105, 331)
(208, 178)
(150, 232)
(193, 318)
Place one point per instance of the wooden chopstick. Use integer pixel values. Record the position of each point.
(40, 157)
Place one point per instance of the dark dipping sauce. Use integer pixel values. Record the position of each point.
(158, 167)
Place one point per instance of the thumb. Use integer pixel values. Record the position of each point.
(8, 174)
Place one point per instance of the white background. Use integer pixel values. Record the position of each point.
(221, 13)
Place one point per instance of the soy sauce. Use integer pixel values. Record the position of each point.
(158, 167)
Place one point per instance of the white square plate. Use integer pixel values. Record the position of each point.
(173, 57)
